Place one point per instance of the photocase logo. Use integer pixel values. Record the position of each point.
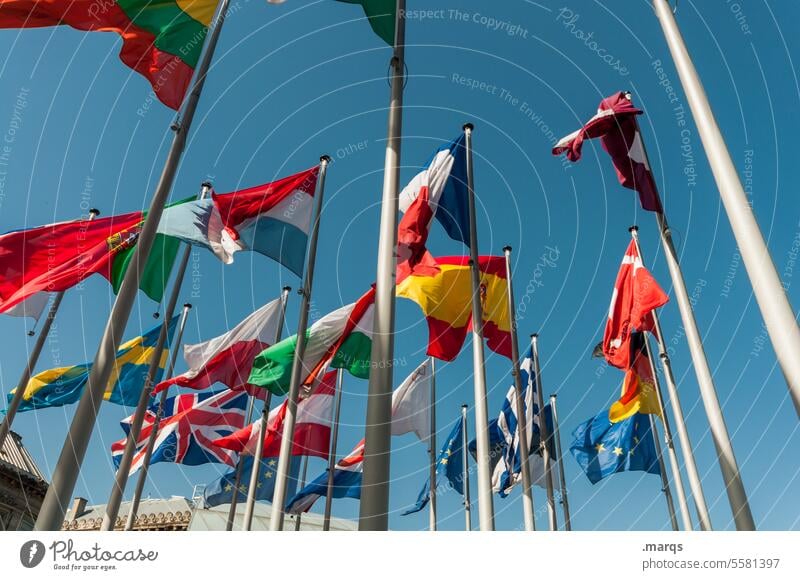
(31, 553)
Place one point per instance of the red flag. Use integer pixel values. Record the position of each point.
(636, 294)
(615, 125)
(57, 256)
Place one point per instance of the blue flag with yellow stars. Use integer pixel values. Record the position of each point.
(64, 385)
(602, 447)
(449, 468)
(221, 490)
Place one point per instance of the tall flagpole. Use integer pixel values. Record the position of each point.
(523, 444)
(544, 438)
(432, 450)
(151, 441)
(255, 472)
(298, 519)
(664, 479)
(51, 515)
(485, 505)
(326, 522)
(287, 440)
(465, 472)
(559, 461)
(237, 477)
(121, 477)
(374, 506)
(769, 292)
(19, 392)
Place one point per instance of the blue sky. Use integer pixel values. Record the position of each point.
(292, 82)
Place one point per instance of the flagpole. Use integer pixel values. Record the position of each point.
(121, 477)
(19, 392)
(544, 437)
(523, 444)
(58, 496)
(465, 474)
(326, 522)
(485, 505)
(287, 439)
(137, 493)
(255, 472)
(237, 478)
(662, 468)
(374, 505)
(778, 314)
(432, 449)
(299, 517)
(559, 461)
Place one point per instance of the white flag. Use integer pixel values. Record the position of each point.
(411, 403)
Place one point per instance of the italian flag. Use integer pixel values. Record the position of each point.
(341, 339)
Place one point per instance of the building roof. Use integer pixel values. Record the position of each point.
(173, 511)
(14, 456)
(216, 518)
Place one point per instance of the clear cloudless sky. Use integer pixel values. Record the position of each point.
(292, 82)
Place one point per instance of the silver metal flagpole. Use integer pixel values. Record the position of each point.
(664, 480)
(432, 449)
(237, 478)
(519, 405)
(19, 392)
(485, 500)
(374, 505)
(559, 461)
(51, 515)
(287, 440)
(255, 472)
(151, 441)
(544, 437)
(326, 522)
(298, 519)
(121, 477)
(769, 292)
(465, 473)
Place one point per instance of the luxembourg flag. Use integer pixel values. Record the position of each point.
(347, 475)
(272, 219)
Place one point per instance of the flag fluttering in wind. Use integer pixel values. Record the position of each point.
(31, 307)
(638, 387)
(272, 219)
(382, 16)
(603, 448)
(221, 491)
(64, 385)
(190, 423)
(615, 125)
(411, 403)
(449, 468)
(636, 294)
(312, 431)
(228, 358)
(161, 40)
(445, 296)
(341, 339)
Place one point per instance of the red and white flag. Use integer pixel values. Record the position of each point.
(636, 294)
(312, 432)
(615, 125)
(228, 358)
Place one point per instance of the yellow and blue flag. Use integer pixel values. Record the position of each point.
(64, 385)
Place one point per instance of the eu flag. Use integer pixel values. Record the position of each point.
(221, 490)
(602, 447)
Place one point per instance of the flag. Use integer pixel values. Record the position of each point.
(449, 468)
(64, 385)
(189, 424)
(272, 219)
(341, 339)
(411, 403)
(382, 15)
(220, 491)
(638, 387)
(615, 124)
(312, 432)
(228, 358)
(445, 296)
(636, 294)
(440, 191)
(602, 447)
(161, 40)
(156, 270)
(31, 307)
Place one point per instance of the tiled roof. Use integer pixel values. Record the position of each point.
(15, 456)
(174, 511)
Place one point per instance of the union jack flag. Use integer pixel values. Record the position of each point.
(189, 424)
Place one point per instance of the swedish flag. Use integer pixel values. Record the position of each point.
(64, 385)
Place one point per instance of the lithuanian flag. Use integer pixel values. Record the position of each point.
(161, 39)
(444, 293)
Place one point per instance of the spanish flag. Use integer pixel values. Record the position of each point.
(64, 385)
(444, 292)
(638, 387)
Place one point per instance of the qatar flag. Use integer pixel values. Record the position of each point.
(615, 124)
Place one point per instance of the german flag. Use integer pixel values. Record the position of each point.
(444, 292)
(638, 387)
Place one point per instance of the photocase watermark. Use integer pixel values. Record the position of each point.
(66, 557)
(10, 137)
(488, 22)
(741, 18)
(569, 19)
(736, 258)
(547, 260)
